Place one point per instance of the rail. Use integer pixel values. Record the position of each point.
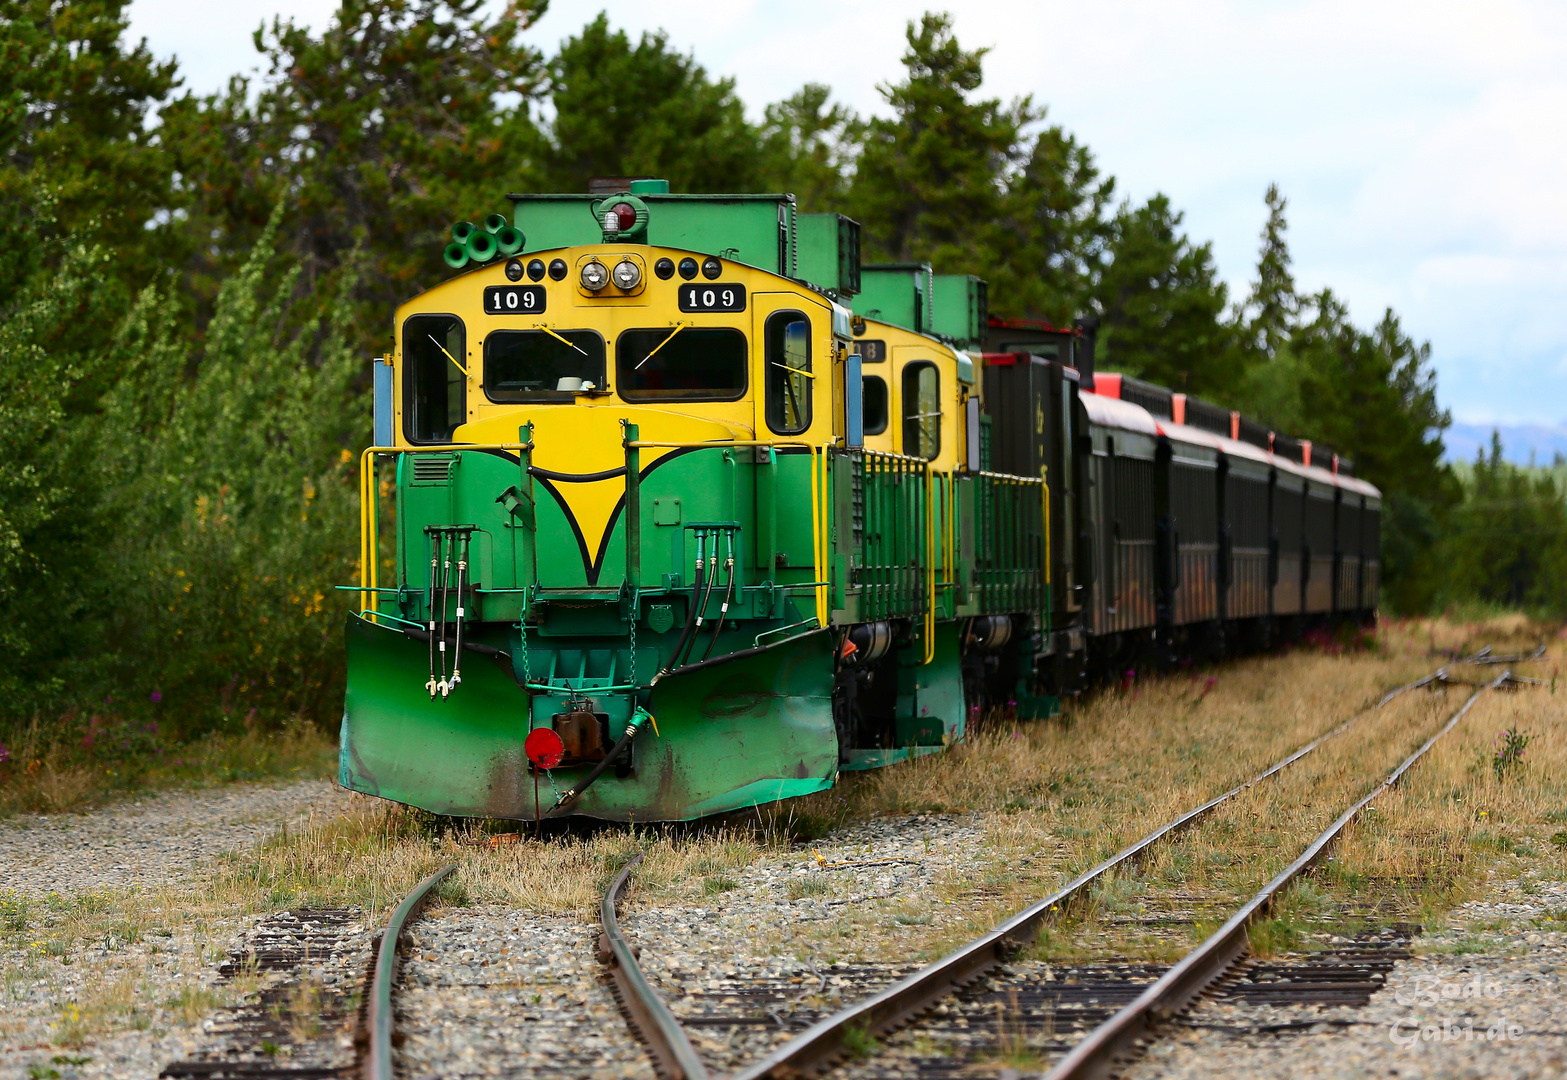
(897, 538)
(1099, 1052)
(657, 1025)
(909, 543)
(378, 1061)
(369, 502)
(828, 1039)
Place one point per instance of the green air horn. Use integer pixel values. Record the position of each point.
(456, 256)
(494, 223)
(480, 247)
(509, 240)
(462, 230)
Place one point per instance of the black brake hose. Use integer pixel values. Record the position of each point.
(674, 657)
(701, 610)
(597, 771)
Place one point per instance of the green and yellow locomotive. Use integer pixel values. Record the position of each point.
(675, 509)
(627, 488)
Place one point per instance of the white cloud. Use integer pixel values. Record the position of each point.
(1422, 145)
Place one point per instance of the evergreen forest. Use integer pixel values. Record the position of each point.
(191, 287)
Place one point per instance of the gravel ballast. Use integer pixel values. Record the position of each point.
(136, 994)
(1483, 998)
(152, 841)
(489, 992)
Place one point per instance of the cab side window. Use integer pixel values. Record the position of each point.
(788, 380)
(434, 388)
(874, 400)
(921, 410)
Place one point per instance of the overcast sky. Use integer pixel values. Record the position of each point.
(1422, 145)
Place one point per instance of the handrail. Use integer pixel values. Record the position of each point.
(930, 565)
(1013, 478)
(819, 532)
(720, 444)
(369, 508)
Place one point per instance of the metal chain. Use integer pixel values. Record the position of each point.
(522, 627)
(635, 605)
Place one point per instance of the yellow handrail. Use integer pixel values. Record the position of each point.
(825, 589)
(952, 541)
(930, 564)
(719, 444)
(369, 518)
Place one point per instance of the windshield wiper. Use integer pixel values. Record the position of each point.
(563, 341)
(449, 356)
(678, 327)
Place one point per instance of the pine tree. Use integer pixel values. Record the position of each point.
(76, 150)
(1163, 305)
(930, 179)
(1272, 305)
(956, 179)
(808, 145)
(1508, 543)
(1054, 233)
(624, 110)
(378, 134)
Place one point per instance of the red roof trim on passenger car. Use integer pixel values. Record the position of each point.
(1030, 324)
(1108, 385)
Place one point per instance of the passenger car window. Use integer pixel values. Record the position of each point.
(534, 365)
(434, 388)
(921, 410)
(681, 364)
(874, 400)
(788, 380)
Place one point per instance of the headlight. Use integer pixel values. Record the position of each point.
(626, 275)
(594, 276)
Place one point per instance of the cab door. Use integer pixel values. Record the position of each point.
(791, 386)
(918, 385)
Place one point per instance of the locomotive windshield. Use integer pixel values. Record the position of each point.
(681, 363)
(537, 365)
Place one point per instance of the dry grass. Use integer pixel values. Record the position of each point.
(373, 854)
(1050, 799)
(46, 775)
(1455, 818)
(1056, 798)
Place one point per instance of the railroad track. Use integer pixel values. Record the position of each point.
(979, 996)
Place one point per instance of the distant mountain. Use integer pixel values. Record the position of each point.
(1463, 441)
